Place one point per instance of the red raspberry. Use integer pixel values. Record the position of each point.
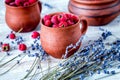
(26, 4)
(12, 36)
(6, 47)
(47, 17)
(63, 24)
(69, 22)
(12, 4)
(25, 0)
(54, 19)
(68, 16)
(74, 19)
(19, 2)
(8, 1)
(55, 26)
(32, 1)
(35, 34)
(62, 17)
(48, 23)
(22, 47)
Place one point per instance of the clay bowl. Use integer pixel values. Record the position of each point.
(23, 18)
(55, 40)
(96, 12)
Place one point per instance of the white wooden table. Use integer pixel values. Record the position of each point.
(61, 5)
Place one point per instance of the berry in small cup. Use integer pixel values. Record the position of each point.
(18, 3)
(60, 20)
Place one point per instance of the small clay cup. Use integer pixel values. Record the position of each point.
(55, 40)
(23, 18)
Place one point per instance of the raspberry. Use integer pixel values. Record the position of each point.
(12, 4)
(26, 4)
(32, 1)
(62, 17)
(74, 19)
(47, 17)
(69, 22)
(9, 1)
(55, 26)
(6, 47)
(48, 23)
(68, 16)
(22, 2)
(35, 35)
(22, 47)
(25, 0)
(54, 19)
(12, 36)
(18, 2)
(63, 24)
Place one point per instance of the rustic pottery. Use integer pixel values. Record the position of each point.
(96, 12)
(55, 40)
(23, 19)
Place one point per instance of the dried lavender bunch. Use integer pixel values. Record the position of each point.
(94, 57)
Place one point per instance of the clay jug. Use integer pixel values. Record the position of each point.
(96, 12)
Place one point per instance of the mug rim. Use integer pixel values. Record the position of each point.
(7, 5)
(71, 26)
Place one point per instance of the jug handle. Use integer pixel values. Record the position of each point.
(84, 25)
(40, 6)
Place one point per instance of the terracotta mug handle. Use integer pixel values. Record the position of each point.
(40, 6)
(84, 26)
(83, 31)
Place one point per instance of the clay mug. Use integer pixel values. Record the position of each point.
(23, 18)
(55, 40)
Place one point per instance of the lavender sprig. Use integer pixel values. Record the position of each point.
(38, 58)
(3, 58)
(11, 67)
(1, 65)
(31, 68)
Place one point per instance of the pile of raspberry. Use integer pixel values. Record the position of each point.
(60, 20)
(18, 3)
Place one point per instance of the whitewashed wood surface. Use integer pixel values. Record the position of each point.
(58, 6)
